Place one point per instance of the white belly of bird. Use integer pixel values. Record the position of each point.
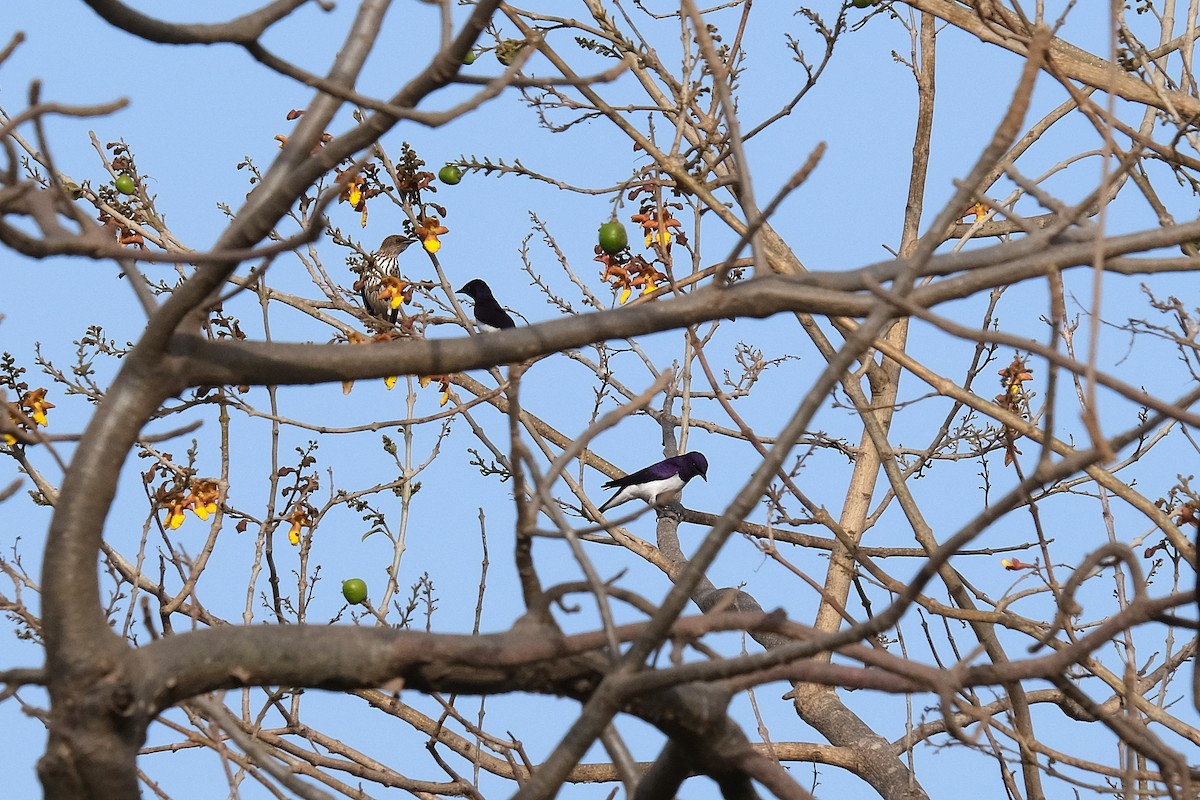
(650, 491)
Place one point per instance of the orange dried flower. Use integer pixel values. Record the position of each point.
(300, 517)
(35, 404)
(979, 211)
(656, 225)
(443, 384)
(428, 231)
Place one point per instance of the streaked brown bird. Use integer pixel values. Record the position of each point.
(384, 263)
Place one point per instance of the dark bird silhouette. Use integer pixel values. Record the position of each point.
(383, 263)
(488, 313)
(657, 480)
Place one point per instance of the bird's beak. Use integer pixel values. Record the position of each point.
(702, 475)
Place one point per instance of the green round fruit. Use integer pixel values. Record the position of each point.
(125, 184)
(863, 3)
(354, 590)
(613, 238)
(469, 58)
(450, 174)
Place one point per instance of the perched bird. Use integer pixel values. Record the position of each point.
(488, 313)
(657, 480)
(383, 263)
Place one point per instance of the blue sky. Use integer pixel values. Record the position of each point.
(195, 113)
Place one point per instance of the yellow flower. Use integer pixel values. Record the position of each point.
(389, 382)
(625, 295)
(979, 211)
(663, 237)
(175, 515)
(171, 498)
(396, 291)
(352, 190)
(203, 498)
(656, 225)
(356, 192)
(428, 232)
(200, 498)
(299, 518)
(35, 403)
(443, 382)
(14, 423)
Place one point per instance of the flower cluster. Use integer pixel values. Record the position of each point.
(443, 382)
(626, 275)
(358, 182)
(396, 291)
(36, 404)
(124, 234)
(301, 516)
(1013, 378)
(178, 496)
(359, 187)
(657, 223)
(411, 179)
(32, 409)
(386, 336)
(1014, 398)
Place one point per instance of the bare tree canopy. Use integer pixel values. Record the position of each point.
(489, 400)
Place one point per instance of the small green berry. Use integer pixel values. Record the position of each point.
(613, 238)
(354, 590)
